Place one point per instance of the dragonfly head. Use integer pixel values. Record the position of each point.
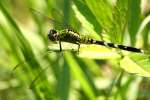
(52, 35)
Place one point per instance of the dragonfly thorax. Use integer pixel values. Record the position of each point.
(52, 35)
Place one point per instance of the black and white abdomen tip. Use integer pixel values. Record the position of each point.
(122, 47)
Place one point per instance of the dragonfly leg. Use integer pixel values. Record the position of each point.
(78, 47)
(60, 46)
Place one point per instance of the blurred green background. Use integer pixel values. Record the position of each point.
(29, 72)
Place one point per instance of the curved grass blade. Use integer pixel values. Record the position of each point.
(24, 45)
(80, 75)
(144, 26)
(87, 13)
(26, 51)
(134, 19)
(37, 77)
(138, 64)
(64, 82)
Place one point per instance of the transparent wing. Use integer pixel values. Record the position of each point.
(82, 26)
(57, 24)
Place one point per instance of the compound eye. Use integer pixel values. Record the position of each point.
(52, 35)
(52, 31)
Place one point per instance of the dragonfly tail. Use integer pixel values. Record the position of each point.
(122, 47)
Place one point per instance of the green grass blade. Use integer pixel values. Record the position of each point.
(134, 19)
(75, 68)
(137, 64)
(87, 13)
(64, 83)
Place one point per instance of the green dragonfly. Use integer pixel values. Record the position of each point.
(71, 36)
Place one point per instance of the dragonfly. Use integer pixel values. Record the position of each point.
(69, 35)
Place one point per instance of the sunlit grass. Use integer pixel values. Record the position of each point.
(94, 72)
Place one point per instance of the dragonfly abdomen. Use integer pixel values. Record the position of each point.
(112, 45)
(129, 48)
